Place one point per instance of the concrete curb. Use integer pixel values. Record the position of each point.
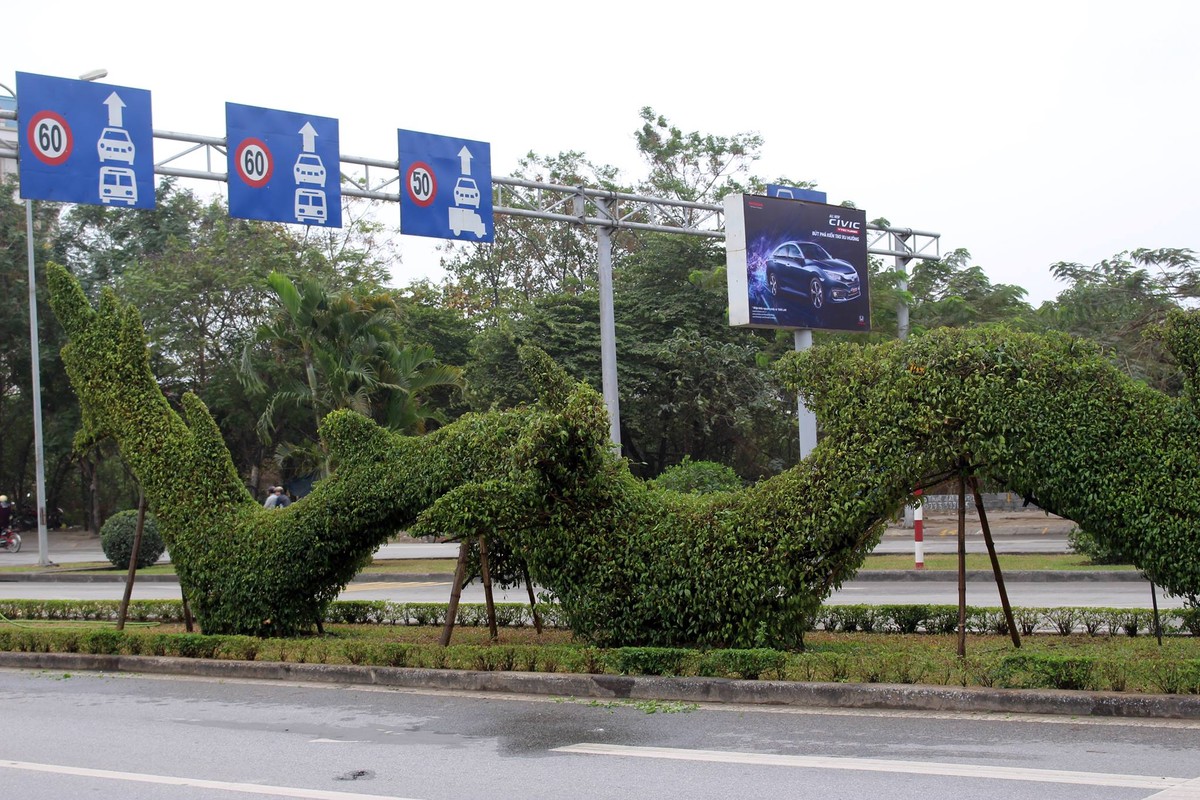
(626, 687)
(864, 576)
(100, 577)
(1010, 576)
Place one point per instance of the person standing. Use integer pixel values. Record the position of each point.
(277, 499)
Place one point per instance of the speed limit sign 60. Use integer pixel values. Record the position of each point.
(254, 162)
(50, 138)
(421, 183)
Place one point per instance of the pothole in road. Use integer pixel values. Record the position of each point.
(356, 775)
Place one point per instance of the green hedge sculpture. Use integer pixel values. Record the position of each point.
(246, 569)
(634, 565)
(1047, 416)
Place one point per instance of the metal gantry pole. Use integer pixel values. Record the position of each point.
(36, 368)
(806, 419)
(902, 263)
(608, 330)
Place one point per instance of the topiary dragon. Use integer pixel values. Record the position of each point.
(1045, 415)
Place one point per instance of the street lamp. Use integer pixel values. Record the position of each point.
(36, 365)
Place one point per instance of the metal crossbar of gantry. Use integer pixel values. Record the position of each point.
(602, 209)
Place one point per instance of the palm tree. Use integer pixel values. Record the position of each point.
(340, 351)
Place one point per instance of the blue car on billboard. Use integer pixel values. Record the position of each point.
(807, 268)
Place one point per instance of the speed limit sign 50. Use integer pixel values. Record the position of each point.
(421, 183)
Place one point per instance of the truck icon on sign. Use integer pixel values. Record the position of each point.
(465, 219)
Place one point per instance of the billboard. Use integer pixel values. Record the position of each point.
(795, 264)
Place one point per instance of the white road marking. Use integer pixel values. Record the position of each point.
(199, 783)
(1185, 791)
(1190, 789)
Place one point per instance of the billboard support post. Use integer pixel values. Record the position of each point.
(900, 241)
(805, 417)
(902, 262)
(608, 329)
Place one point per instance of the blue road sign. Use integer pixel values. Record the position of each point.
(445, 187)
(795, 193)
(85, 142)
(283, 166)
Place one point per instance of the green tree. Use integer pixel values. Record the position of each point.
(60, 413)
(336, 351)
(530, 258)
(1117, 300)
(953, 293)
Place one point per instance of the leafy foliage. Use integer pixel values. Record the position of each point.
(698, 477)
(342, 350)
(117, 535)
(632, 564)
(246, 569)
(1122, 298)
(1098, 552)
(1047, 416)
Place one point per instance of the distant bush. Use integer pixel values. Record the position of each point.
(1098, 552)
(116, 538)
(698, 477)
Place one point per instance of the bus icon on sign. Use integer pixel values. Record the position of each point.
(310, 206)
(118, 185)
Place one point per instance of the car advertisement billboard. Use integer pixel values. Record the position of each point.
(795, 264)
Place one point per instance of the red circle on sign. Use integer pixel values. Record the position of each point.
(50, 138)
(421, 183)
(254, 162)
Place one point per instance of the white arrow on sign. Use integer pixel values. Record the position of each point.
(464, 156)
(310, 137)
(115, 104)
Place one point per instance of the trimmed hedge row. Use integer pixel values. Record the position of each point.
(348, 612)
(1123, 672)
(895, 618)
(1065, 620)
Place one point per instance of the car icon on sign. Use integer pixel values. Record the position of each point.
(466, 193)
(115, 145)
(309, 169)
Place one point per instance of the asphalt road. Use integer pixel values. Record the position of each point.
(136, 737)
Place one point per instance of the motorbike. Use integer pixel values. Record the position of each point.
(25, 518)
(10, 540)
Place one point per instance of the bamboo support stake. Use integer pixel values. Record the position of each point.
(991, 547)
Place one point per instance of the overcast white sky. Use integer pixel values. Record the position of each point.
(1027, 132)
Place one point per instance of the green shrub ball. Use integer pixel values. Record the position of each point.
(116, 538)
